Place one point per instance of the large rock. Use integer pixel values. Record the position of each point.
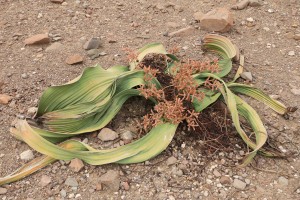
(220, 20)
(107, 134)
(38, 39)
(111, 180)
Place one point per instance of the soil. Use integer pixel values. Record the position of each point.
(196, 174)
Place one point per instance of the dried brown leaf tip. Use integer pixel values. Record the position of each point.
(131, 55)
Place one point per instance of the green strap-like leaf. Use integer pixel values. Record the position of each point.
(258, 95)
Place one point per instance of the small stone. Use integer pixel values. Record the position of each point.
(171, 160)
(225, 180)
(182, 32)
(127, 137)
(289, 35)
(77, 196)
(54, 47)
(295, 91)
(63, 193)
(45, 180)
(92, 43)
(76, 165)
(64, 4)
(247, 76)
(205, 193)
(74, 59)
(172, 25)
(266, 29)
(24, 75)
(98, 186)
(220, 20)
(111, 180)
(297, 36)
(247, 181)
(254, 3)
(216, 173)
(125, 186)
(298, 191)
(57, 1)
(291, 53)
(198, 15)
(3, 190)
(250, 19)
(171, 197)
(70, 181)
(26, 155)
(5, 99)
(239, 184)
(107, 134)
(72, 195)
(32, 110)
(270, 11)
(283, 181)
(37, 39)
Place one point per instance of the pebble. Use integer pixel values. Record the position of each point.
(295, 91)
(247, 181)
(95, 53)
(92, 43)
(171, 197)
(283, 181)
(24, 75)
(127, 137)
(182, 32)
(239, 184)
(5, 99)
(32, 110)
(198, 15)
(26, 155)
(247, 76)
(57, 1)
(45, 180)
(107, 134)
(70, 181)
(216, 173)
(125, 186)
(37, 39)
(111, 180)
(63, 193)
(3, 190)
(172, 25)
(54, 47)
(76, 165)
(250, 19)
(220, 20)
(64, 4)
(171, 160)
(205, 193)
(77, 196)
(297, 36)
(225, 180)
(254, 3)
(291, 53)
(74, 59)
